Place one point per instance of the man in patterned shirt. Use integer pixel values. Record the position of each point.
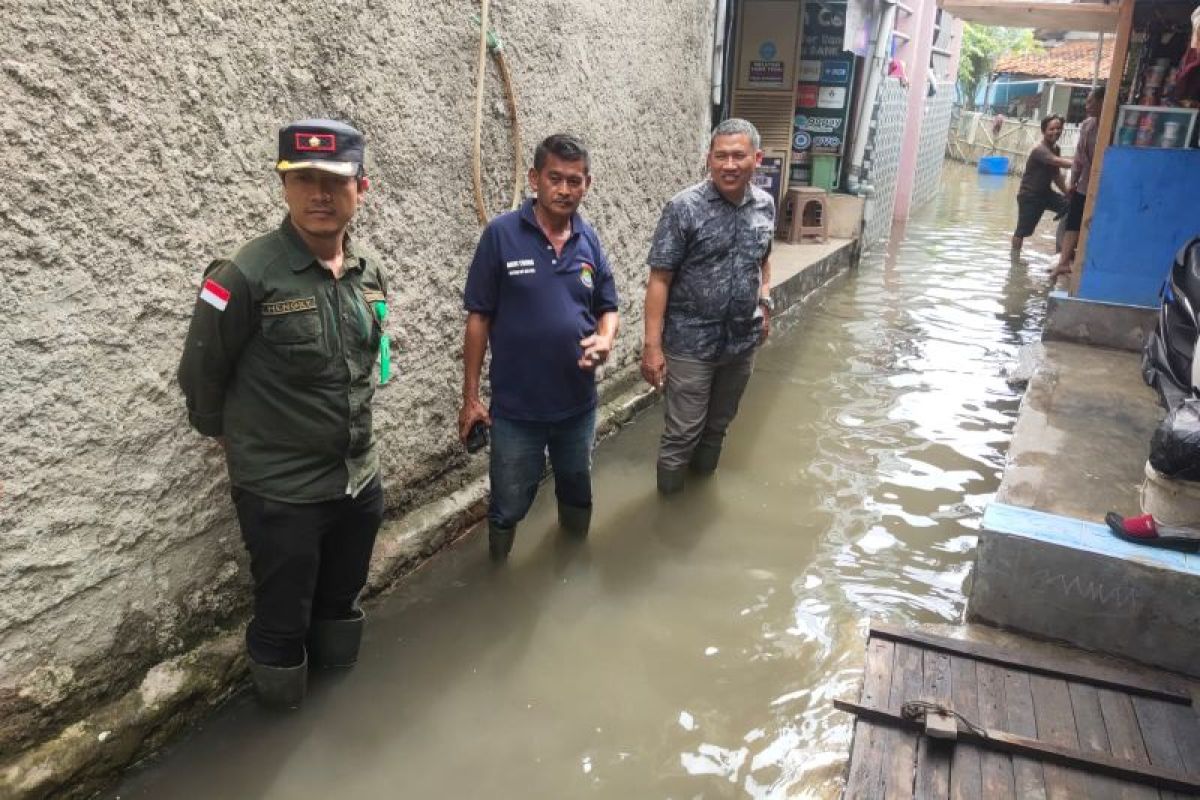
(708, 302)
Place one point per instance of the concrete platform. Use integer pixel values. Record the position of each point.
(1046, 564)
(1083, 434)
(797, 269)
(1074, 319)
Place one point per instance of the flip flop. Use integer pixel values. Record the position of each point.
(1143, 530)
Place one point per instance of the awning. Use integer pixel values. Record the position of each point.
(1054, 16)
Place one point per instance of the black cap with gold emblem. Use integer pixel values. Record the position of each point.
(323, 144)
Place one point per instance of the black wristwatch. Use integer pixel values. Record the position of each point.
(768, 304)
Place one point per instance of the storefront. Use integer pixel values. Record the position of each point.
(1146, 205)
(1143, 204)
(797, 67)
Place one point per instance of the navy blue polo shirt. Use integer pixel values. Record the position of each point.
(540, 305)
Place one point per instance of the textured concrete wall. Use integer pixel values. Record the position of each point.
(138, 139)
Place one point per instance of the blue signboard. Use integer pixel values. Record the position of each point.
(836, 72)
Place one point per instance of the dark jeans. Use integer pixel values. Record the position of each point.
(309, 561)
(518, 459)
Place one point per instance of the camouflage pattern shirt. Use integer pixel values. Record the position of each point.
(715, 250)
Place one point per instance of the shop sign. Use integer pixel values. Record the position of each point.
(826, 73)
(807, 95)
(831, 97)
(835, 72)
(766, 73)
(818, 131)
(769, 176)
(810, 72)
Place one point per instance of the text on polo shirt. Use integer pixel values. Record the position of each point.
(521, 267)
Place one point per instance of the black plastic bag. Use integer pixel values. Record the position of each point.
(1175, 446)
(1167, 358)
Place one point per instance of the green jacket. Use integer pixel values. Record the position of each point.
(279, 360)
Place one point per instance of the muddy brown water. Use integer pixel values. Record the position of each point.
(690, 648)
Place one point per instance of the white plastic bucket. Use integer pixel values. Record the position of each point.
(1170, 502)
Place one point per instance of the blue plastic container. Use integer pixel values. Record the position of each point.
(993, 165)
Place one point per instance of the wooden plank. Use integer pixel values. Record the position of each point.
(1033, 748)
(1155, 725)
(1028, 776)
(1124, 737)
(934, 757)
(866, 755)
(966, 779)
(996, 769)
(1056, 726)
(1187, 738)
(1148, 684)
(1186, 727)
(1104, 135)
(1092, 737)
(900, 746)
(1034, 14)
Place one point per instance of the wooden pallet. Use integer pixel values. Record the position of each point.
(1125, 733)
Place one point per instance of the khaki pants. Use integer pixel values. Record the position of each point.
(701, 400)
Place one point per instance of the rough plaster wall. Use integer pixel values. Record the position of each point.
(138, 139)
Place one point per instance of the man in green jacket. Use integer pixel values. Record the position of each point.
(278, 367)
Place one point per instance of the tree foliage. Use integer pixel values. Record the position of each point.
(982, 46)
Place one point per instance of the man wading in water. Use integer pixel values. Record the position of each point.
(708, 302)
(1035, 195)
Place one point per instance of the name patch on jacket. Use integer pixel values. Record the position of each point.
(372, 296)
(289, 306)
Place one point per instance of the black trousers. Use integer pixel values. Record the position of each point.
(309, 561)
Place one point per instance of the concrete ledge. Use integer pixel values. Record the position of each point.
(1074, 319)
(799, 269)
(1082, 435)
(1071, 580)
(86, 755)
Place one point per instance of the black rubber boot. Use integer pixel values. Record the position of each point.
(574, 519)
(669, 480)
(280, 688)
(335, 642)
(500, 541)
(704, 458)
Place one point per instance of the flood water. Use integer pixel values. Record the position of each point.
(692, 647)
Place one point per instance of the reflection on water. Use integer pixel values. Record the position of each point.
(691, 648)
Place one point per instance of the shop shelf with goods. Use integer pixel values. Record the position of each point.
(1155, 126)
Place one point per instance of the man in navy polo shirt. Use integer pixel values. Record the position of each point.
(541, 294)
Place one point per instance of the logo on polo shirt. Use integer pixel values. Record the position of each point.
(585, 275)
(522, 267)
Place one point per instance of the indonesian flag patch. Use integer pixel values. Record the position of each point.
(214, 294)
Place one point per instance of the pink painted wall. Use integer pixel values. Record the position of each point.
(916, 52)
(919, 26)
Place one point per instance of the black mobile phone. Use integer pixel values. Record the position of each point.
(477, 438)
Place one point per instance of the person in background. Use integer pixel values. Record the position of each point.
(1187, 79)
(1077, 188)
(1035, 196)
(278, 367)
(540, 293)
